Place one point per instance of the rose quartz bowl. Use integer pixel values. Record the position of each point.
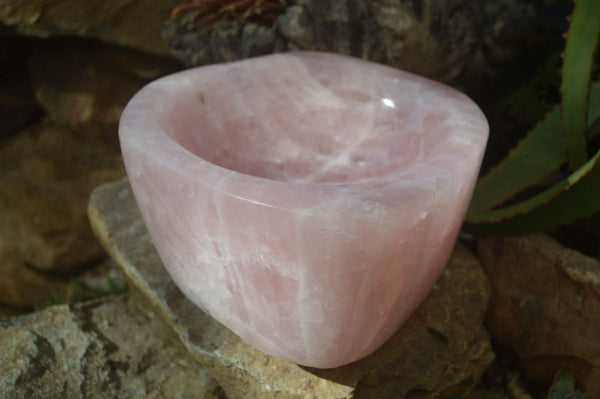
(307, 201)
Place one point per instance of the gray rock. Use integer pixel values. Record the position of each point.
(225, 41)
(228, 41)
(441, 40)
(258, 40)
(296, 26)
(109, 348)
(442, 349)
(545, 307)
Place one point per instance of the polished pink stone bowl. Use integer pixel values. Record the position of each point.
(308, 201)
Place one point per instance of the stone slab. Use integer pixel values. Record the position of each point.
(443, 349)
(115, 347)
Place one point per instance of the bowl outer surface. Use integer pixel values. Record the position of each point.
(320, 273)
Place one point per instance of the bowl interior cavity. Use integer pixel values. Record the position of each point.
(310, 119)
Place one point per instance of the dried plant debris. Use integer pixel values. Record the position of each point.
(208, 13)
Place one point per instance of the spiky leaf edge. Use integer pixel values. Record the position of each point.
(572, 198)
(538, 155)
(581, 46)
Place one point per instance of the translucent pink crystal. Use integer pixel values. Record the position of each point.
(308, 201)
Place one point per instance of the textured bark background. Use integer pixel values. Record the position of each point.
(438, 39)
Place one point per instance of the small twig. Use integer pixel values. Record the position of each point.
(209, 13)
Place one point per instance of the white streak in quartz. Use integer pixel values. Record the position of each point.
(291, 202)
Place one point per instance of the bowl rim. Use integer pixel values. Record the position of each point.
(139, 131)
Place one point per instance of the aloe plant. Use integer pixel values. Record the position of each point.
(557, 141)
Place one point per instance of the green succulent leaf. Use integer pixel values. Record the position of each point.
(538, 155)
(542, 152)
(575, 197)
(582, 42)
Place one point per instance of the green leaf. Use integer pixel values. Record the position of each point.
(541, 152)
(572, 198)
(582, 42)
(537, 156)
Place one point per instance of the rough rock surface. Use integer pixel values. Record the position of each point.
(47, 175)
(545, 306)
(129, 23)
(442, 349)
(438, 39)
(21, 286)
(109, 348)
